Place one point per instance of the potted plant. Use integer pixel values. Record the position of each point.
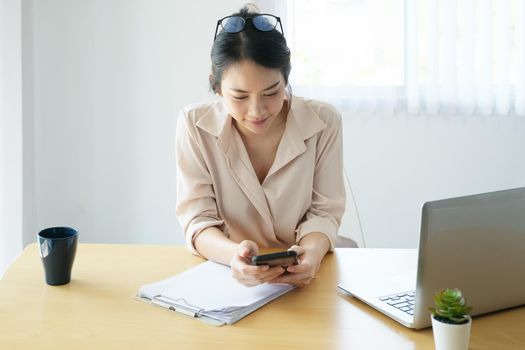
(450, 320)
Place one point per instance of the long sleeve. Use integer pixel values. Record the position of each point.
(328, 192)
(196, 205)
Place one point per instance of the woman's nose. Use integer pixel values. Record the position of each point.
(256, 107)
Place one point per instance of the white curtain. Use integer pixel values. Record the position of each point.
(476, 59)
(459, 57)
(10, 132)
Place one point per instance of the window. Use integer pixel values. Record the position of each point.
(347, 43)
(424, 56)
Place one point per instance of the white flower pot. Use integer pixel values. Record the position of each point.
(451, 336)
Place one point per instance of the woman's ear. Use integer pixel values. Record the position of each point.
(213, 84)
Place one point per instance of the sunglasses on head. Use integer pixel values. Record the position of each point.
(235, 24)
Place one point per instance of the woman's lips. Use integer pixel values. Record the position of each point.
(258, 121)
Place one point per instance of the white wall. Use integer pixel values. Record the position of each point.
(396, 163)
(10, 132)
(109, 78)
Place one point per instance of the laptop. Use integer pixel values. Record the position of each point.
(475, 243)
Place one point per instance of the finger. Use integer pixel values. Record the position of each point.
(266, 274)
(302, 267)
(296, 280)
(253, 280)
(270, 279)
(241, 267)
(271, 274)
(251, 270)
(303, 271)
(298, 249)
(245, 252)
(248, 248)
(247, 280)
(255, 269)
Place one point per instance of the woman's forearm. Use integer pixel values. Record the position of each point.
(317, 243)
(214, 245)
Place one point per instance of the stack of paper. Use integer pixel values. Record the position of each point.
(208, 290)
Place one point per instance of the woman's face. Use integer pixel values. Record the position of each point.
(254, 96)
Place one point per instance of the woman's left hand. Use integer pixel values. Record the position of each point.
(304, 272)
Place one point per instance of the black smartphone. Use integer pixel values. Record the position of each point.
(283, 259)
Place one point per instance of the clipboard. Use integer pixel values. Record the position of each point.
(210, 293)
(191, 311)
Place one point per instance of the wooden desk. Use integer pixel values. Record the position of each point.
(96, 311)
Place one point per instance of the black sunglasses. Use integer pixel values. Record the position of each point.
(234, 24)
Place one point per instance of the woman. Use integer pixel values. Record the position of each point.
(258, 168)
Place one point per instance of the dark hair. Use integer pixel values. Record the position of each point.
(267, 49)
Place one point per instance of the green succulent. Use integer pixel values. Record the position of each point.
(451, 307)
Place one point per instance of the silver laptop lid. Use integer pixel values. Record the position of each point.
(476, 243)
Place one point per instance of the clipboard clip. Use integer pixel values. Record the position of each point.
(176, 305)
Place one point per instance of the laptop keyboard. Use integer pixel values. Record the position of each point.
(402, 301)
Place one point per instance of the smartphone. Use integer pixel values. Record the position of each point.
(283, 259)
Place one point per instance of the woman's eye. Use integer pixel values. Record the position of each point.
(239, 97)
(272, 94)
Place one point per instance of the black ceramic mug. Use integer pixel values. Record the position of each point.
(58, 246)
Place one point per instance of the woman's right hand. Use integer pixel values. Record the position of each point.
(248, 274)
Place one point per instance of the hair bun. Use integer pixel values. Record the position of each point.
(252, 8)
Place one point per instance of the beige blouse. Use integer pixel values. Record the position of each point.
(217, 184)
